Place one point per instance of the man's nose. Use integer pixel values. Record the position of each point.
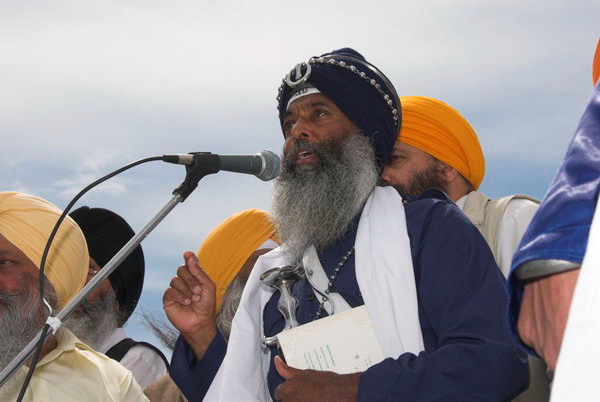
(301, 130)
(385, 178)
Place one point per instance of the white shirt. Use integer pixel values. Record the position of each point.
(145, 364)
(515, 220)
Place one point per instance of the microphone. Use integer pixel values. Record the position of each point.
(265, 165)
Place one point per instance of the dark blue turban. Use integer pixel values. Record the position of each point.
(106, 233)
(358, 88)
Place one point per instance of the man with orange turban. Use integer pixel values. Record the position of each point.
(218, 273)
(68, 369)
(437, 147)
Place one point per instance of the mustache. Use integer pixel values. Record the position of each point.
(292, 154)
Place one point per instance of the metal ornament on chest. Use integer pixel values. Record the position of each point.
(332, 278)
(282, 279)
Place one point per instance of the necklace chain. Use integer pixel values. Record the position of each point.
(332, 279)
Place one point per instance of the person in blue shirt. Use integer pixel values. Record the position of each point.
(433, 292)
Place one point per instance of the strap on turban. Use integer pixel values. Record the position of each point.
(226, 249)
(358, 88)
(596, 65)
(27, 221)
(106, 233)
(438, 129)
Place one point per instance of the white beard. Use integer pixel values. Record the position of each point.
(314, 205)
(96, 321)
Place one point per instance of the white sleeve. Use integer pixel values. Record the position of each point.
(517, 216)
(145, 364)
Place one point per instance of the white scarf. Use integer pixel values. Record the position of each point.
(385, 276)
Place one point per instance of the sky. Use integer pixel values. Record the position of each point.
(89, 86)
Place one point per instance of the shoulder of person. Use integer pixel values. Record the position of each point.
(432, 203)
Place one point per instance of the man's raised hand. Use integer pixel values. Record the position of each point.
(189, 303)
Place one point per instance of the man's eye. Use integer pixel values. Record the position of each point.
(320, 112)
(5, 262)
(287, 125)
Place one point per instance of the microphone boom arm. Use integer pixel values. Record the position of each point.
(194, 173)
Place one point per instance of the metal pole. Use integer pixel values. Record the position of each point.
(127, 249)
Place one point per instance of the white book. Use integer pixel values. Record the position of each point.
(343, 343)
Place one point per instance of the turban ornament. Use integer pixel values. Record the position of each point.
(440, 130)
(359, 90)
(27, 221)
(106, 233)
(227, 248)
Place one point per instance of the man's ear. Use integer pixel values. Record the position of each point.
(448, 173)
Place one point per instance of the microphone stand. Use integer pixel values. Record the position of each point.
(194, 173)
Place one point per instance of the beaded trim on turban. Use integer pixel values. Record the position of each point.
(361, 91)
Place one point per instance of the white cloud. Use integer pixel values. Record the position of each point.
(92, 86)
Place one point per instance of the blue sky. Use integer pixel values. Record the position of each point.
(89, 86)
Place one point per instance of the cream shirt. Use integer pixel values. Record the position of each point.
(75, 372)
(515, 220)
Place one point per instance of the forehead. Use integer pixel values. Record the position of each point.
(6, 247)
(9, 251)
(308, 101)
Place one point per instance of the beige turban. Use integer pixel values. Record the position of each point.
(27, 221)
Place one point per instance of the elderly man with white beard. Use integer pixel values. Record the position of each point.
(68, 370)
(426, 276)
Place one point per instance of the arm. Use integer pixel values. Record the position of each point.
(469, 354)
(544, 312)
(189, 303)
(194, 376)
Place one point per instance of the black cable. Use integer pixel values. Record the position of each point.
(45, 255)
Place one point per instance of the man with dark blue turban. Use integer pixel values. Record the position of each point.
(427, 279)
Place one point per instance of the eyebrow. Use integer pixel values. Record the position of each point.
(310, 105)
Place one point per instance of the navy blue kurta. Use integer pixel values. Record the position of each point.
(469, 354)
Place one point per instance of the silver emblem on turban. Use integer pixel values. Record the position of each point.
(299, 77)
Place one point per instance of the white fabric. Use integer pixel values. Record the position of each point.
(515, 220)
(319, 281)
(385, 277)
(145, 364)
(301, 93)
(268, 244)
(75, 372)
(576, 377)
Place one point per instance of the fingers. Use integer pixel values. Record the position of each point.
(196, 271)
(184, 272)
(284, 370)
(190, 285)
(173, 296)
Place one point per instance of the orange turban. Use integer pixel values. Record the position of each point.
(438, 129)
(27, 221)
(226, 249)
(596, 65)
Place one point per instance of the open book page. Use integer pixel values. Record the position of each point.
(343, 343)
